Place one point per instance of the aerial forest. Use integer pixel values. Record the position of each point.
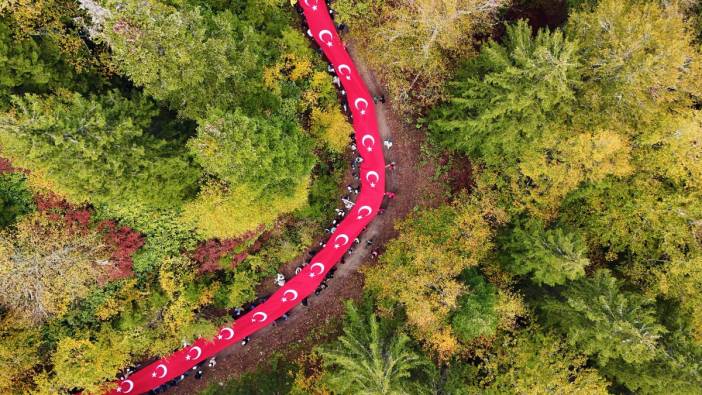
(161, 161)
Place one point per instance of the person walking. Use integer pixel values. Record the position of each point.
(279, 279)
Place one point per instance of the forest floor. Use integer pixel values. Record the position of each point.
(415, 185)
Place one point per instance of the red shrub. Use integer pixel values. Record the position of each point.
(125, 242)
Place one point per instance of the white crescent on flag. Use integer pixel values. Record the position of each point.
(372, 141)
(343, 237)
(229, 331)
(313, 6)
(291, 292)
(324, 33)
(321, 269)
(345, 67)
(363, 209)
(372, 177)
(130, 383)
(162, 375)
(261, 314)
(198, 352)
(365, 105)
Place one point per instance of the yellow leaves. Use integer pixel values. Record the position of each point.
(175, 273)
(50, 267)
(682, 279)
(167, 281)
(79, 362)
(222, 212)
(19, 353)
(598, 155)
(641, 55)
(242, 289)
(207, 296)
(443, 344)
(509, 306)
(308, 376)
(292, 66)
(412, 44)
(271, 77)
(561, 166)
(177, 315)
(117, 303)
(332, 126)
(420, 267)
(109, 309)
(300, 68)
(677, 152)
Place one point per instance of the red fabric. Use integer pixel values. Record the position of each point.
(306, 282)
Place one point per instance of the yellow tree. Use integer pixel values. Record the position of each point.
(413, 44)
(419, 269)
(640, 60)
(531, 362)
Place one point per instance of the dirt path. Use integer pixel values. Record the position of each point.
(308, 326)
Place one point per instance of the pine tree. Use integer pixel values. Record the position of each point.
(365, 362)
(606, 322)
(550, 256)
(185, 57)
(509, 94)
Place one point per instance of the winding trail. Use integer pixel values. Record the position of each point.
(372, 173)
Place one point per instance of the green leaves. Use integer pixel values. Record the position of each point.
(550, 256)
(639, 60)
(606, 322)
(95, 149)
(179, 56)
(269, 154)
(508, 94)
(476, 314)
(15, 198)
(363, 361)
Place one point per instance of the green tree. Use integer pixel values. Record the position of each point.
(604, 321)
(82, 363)
(27, 65)
(185, 57)
(363, 361)
(510, 93)
(16, 199)
(96, 149)
(550, 256)
(677, 369)
(270, 154)
(20, 353)
(476, 314)
(420, 269)
(414, 45)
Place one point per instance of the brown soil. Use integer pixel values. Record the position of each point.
(413, 183)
